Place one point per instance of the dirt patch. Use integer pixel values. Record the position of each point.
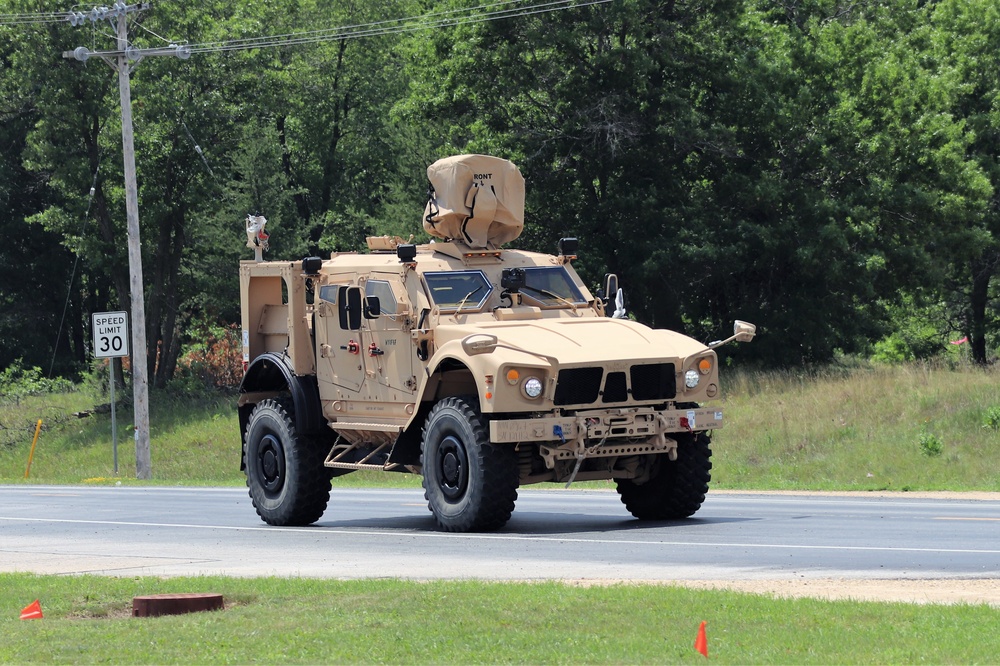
(919, 591)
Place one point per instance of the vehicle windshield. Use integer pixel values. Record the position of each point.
(451, 290)
(551, 285)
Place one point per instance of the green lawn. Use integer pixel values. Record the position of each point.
(386, 621)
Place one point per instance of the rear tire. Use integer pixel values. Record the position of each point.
(470, 483)
(676, 488)
(285, 474)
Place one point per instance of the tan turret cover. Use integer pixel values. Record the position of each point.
(477, 199)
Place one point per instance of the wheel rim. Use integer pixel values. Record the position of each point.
(453, 468)
(271, 464)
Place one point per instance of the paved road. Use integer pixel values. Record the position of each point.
(553, 534)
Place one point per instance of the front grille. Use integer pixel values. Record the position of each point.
(578, 386)
(656, 381)
(615, 389)
(582, 386)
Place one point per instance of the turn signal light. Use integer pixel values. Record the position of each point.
(705, 366)
(512, 377)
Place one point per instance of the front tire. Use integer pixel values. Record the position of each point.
(676, 488)
(285, 474)
(470, 483)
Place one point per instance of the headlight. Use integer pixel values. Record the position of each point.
(691, 378)
(532, 387)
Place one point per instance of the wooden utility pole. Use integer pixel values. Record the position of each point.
(140, 379)
(119, 60)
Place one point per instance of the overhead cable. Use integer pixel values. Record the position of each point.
(472, 15)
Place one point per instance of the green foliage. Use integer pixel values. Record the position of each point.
(991, 419)
(17, 382)
(921, 333)
(812, 167)
(930, 444)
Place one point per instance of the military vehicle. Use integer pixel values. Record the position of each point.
(480, 367)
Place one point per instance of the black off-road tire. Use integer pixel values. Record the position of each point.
(285, 474)
(470, 483)
(677, 487)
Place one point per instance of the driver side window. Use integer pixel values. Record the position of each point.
(383, 290)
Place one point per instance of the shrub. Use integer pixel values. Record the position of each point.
(991, 420)
(216, 359)
(18, 382)
(930, 445)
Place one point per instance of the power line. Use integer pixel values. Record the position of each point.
(472, 15)
(27, 19)
(387, 24)
(412, 24)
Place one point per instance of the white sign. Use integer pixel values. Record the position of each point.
(110, 334)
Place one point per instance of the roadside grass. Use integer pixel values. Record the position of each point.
(915, 427)
(269, 620)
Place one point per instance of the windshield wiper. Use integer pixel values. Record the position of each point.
(548, 294)
(467, 297)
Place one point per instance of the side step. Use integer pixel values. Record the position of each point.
(345, 456)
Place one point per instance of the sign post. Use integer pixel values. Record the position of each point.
(111, 341)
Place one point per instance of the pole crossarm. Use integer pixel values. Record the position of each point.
(83, 54)
(105, 13)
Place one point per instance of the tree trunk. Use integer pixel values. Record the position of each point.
(982, 272)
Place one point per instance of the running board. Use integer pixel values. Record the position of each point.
(339, 452)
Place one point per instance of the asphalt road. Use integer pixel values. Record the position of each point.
(563, 534)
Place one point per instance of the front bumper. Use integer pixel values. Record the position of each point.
(593, 426)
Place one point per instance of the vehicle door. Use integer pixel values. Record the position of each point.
(339, 347)
(389, 356)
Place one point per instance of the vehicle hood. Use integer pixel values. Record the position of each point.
(582, 341)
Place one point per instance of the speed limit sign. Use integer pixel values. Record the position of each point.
(110, 334)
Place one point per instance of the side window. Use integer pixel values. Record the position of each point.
(387, 300)
(328, 293)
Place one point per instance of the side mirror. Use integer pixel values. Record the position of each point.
(373, 308)
(479, 343)
(610, 287)
(744, 331)
(349, 303)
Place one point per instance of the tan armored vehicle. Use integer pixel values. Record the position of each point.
(480, 367)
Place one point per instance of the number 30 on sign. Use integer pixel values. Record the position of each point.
(110, 334)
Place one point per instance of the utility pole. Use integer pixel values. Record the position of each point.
(119, 61)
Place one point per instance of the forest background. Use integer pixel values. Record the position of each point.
(826, 170)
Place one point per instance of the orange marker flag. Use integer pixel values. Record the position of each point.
(32, 612)
(701, 643)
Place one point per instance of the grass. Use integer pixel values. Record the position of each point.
(917, 427)
(388, 621)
